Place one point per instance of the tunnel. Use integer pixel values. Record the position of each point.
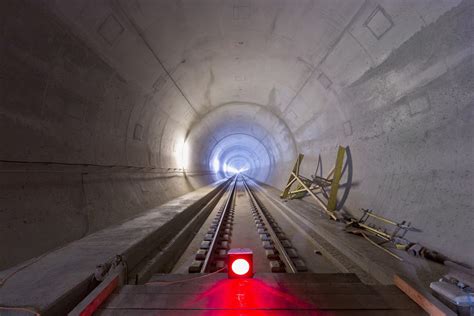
(111, 108)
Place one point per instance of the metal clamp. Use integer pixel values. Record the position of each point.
(112, 275)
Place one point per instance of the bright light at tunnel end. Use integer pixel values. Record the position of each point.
(239, 154)
(227, 169)
(230, 170)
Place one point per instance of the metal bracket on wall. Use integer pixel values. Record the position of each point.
(111, 276)
(317, 184)
(396, 236)
(398, 233)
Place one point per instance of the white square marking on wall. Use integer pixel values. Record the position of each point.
(241, 13)
(419, 105)
(295, 116)
(111, 29)
(347, 128)
(159, 82)
(241, 9)
(324, 80)
(379, 22)
(138, 132)
(240, 78)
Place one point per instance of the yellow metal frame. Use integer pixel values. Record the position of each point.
(399, 227)
(307, 186)
(332, 202)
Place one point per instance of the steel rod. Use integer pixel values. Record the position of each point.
(383, 219)
(317, 198)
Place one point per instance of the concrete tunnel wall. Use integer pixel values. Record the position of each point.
(104, 103)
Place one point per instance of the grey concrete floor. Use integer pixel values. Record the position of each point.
(244, 231)
(352, 253)
(307, 249)
(266, 293)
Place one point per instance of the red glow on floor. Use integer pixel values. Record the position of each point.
(247, 297)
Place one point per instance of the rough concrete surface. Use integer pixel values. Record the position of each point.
(53, 283)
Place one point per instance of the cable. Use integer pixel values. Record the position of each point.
(5, 279)
(180, 281)
(378, 246)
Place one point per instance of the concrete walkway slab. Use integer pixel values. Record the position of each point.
(281, 294)
(57, 280)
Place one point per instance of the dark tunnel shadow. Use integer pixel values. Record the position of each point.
(348, 185)
(347, 169)
(187, 181)
(319, 167)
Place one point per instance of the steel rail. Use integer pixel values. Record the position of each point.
(228, 203)
(279, 247)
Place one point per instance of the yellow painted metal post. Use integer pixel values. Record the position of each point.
(335, 181)
(292, 179)
(316, 198)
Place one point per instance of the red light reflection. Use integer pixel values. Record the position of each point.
(247, 297)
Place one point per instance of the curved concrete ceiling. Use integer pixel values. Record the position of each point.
(167, 85)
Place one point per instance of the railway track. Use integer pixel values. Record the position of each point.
(243, 221)
(237, 217)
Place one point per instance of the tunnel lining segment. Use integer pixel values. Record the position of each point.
(236, 119)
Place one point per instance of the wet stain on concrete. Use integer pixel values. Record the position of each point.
(207, 94)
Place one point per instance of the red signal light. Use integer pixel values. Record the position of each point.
(240, 263)
(240, 266)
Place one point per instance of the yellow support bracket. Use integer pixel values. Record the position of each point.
(292, 179)
(315, 197)
(307, 186)
(332, 201)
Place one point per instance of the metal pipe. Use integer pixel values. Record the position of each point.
(289, 184)
(383, 219)
(314, 196)
(376, 231)
(382, 248)
(330, 172)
